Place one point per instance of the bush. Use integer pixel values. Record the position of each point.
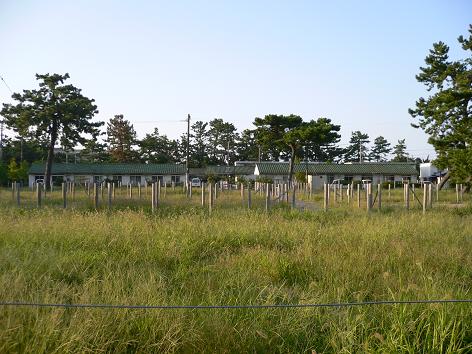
(264, 179)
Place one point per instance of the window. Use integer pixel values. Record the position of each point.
(97, 179)
(135, 180)
(389, 178)
(117, 178)
(348, 179)
(57, 180)
(330, 179)
(175, 179)
(158, 178)
(406, 178)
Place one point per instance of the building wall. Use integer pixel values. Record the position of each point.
(125, 179)
(317, 181)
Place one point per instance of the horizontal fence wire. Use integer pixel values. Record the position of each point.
(262, 306)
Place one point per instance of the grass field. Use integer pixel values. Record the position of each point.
(183, 256)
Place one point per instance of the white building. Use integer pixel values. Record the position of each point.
(320, 173)
(119, 172)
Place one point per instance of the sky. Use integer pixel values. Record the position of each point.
(157, 61)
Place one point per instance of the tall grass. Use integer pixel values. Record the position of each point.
(183, 256)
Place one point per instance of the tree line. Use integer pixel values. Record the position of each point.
(58, 114)
(216, 142)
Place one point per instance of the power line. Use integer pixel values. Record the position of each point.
(159, 121)
(8, 87)
(230, 307)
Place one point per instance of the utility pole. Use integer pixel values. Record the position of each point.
(360, 151)
(187, 170)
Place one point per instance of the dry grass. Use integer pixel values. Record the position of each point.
(182, 255)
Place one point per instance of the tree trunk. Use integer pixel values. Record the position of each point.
(467, 186)
(291, 165)
(48, 172)
(444, 180)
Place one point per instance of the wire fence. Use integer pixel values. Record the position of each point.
(229, 307)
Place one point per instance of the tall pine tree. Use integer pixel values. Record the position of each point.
(380, 150)
(121, 139)
(357, 150)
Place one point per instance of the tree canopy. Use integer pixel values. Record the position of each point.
(446, 113)
(121, 137)
(289, 136)
(56, 112)
(399, 152)
(357, 150)
(380, 150)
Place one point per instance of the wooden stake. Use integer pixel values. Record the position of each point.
(249, 200)
(95, 195)
(430, 197)
(407, 195)
(39, 188)
(294, 188)
(379, 196)
(153, 197)
(425, 197)
(359, 195)
(64, 195)
(267, 199)
(110, 191)
(210, 197)
(325, 196)
(203, 194)
(369, 196)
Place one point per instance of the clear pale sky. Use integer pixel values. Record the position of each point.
(155, 61)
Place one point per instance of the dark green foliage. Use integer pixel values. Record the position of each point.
(399, 152)
(380, 150)
(54, 113)
(94, 151)
(21, 149)
(287, 136)
(323, 146)
(3, 174)
(300, 177)
(248, 149)
(121, 139)
(156, 148)
(446, 114)
(222, 137)
(199, 136)
(357, 150)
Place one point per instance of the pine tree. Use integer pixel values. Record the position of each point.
(56, 112)
(399, 152)
(357, 150)
(446, 114)
(199, 144)
(380, 150)
(121, 138)
(156, 148)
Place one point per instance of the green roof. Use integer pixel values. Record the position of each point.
(109, 169)
(230, 170)
(370, 168)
